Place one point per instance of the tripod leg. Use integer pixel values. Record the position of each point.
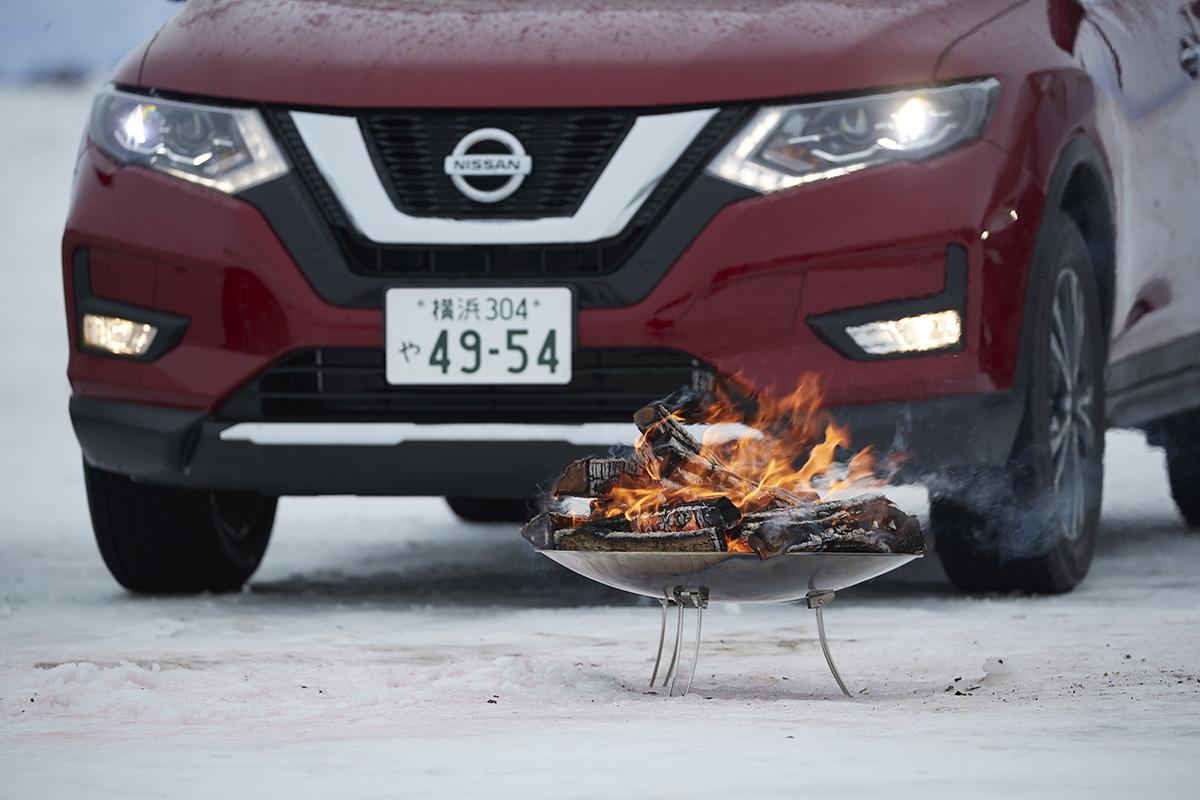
(696, 651)
(817, 601)
(662, 637)
(669, 680)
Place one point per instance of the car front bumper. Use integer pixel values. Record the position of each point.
(187, 448)
(747, 296)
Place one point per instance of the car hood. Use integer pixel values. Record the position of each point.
(514, 53)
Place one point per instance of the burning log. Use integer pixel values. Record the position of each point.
(701, 472)
(720, 514)
(676, 457)
(677, 494)
(548, 530)
(869, 524)
(590, 477)
(543, 530)
(662, 429)
(596, 537)
(861, 525)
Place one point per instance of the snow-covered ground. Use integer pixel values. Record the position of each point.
(365, 656)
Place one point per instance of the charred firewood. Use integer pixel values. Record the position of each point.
(544, 530)
(591, 477)
(674, 455)
(718, 513)
(862, 525)
(540, 531)
(690, 403)
(680, 469)
(736, 513)
(661, 429)
(596, 538)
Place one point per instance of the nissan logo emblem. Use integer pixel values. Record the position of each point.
(463, 166)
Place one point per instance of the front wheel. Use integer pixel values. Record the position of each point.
(164, 539)
(1032, 527)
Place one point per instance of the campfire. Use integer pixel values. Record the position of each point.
(764, 478)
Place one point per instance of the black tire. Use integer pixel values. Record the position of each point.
(491, 509)
(1181, 435)
(1032, 526)
(166, 540)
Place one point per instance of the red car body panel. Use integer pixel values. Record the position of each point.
(535, 53)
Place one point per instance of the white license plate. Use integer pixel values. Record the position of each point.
(479, 336)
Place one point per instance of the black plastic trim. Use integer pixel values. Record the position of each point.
(293, 214)
(143, 441)
(171, 327)
(1158, 383)
(831, 327)
(184, 448)
(749, 104)
(942, 433)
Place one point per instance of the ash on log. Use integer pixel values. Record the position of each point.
(595, 537)
(687, 526)
(719, 513)
(870, 524)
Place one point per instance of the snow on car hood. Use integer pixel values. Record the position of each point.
(512, 53)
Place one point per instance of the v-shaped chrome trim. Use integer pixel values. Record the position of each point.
(652, 146)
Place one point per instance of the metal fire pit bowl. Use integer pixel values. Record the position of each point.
(693, 580)
(729, 577)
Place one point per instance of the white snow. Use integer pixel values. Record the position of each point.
(362, 658)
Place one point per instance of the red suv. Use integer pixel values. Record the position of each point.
(411, 248)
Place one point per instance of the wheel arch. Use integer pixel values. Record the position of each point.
(1087, 200)
(1080, 188)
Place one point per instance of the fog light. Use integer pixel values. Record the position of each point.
(121, 337)
(923, 332)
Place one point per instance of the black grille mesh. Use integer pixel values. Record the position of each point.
(344, 384)
(504, 261)
(569, 150)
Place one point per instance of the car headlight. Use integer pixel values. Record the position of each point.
(227, 149)
(785, 146)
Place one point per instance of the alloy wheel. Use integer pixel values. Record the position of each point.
(1072, 401)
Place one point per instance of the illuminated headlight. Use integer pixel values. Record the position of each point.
(227, 149)
(120, 337)
(921, 333)
(785, 146)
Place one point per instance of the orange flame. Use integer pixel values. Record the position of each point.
(786, 444)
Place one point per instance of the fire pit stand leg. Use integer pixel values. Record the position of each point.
(662, 637)
(679, 598)
(669, 680)
(701, 603)
(816, 601)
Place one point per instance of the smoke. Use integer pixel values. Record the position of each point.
(1001, 513)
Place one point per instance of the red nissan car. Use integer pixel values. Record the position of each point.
(411, 248)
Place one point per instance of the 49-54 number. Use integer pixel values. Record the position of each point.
(470, 341)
